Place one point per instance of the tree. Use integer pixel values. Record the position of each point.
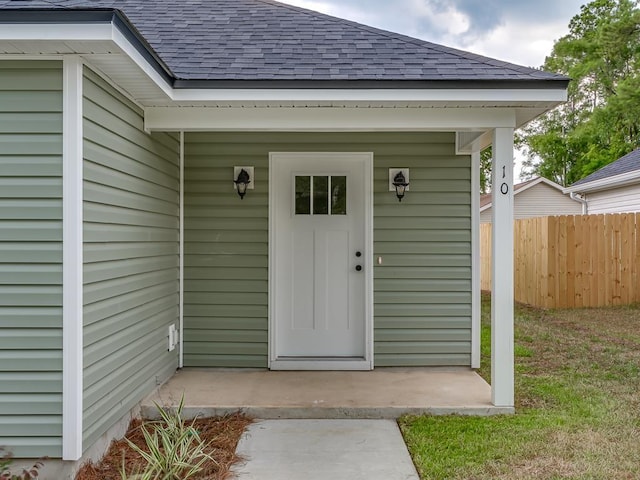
(485, 170)
(601, 120)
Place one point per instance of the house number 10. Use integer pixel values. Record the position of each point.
(504, 188)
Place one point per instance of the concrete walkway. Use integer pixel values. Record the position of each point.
(324, 450)
(381, 393)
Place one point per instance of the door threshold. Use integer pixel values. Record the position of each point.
(321, 363)
(312, 359)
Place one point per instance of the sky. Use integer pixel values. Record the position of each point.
(517, 31)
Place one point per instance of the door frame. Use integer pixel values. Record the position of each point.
(365, 363)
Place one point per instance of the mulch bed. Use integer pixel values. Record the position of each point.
(221, 434)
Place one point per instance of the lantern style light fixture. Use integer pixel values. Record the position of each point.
(242, 180)
(399, 181)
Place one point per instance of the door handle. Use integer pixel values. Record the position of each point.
(358, 268)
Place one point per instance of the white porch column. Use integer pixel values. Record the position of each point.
(502, 368)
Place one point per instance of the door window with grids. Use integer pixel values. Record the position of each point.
(320, 195)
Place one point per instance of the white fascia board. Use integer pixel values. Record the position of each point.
(325, 119)
(56, 32)
(495, 97)
(140, 61)
(605, 183)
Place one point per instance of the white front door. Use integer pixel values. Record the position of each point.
(321, 268)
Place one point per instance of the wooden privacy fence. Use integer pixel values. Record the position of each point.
(572, 261)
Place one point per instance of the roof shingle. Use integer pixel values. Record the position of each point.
(629, 163)
(266, 40)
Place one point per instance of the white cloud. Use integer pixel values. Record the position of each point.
(517, 41)
(323, 7)
(512, 30)
(337, 10)
(446, 19)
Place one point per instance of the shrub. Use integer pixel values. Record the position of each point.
(175, 449)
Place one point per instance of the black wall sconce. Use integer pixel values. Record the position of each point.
(399, 181)
(242, 180)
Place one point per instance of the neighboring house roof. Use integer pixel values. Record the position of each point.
(485, 200)
(624, 171)
(229, 41)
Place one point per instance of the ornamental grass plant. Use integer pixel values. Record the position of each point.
(175, 450)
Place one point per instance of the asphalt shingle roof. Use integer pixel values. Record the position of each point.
(629, 163)
(266, 40)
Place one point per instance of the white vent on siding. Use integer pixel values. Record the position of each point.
(173, 337)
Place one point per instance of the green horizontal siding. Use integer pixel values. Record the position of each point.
(226, 256)
(423, 287)
(32, 382)
(18, 144)
(31, 257)
(26, 404)
(131, 207)
(422, 291)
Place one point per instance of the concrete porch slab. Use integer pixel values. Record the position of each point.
(380, 393)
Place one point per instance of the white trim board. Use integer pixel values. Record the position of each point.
(320, 365)
(350, 119)
(181, 260)
(475, 258)
(366, 363)
(72, 339)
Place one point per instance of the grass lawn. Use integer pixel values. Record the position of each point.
(577, 401)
